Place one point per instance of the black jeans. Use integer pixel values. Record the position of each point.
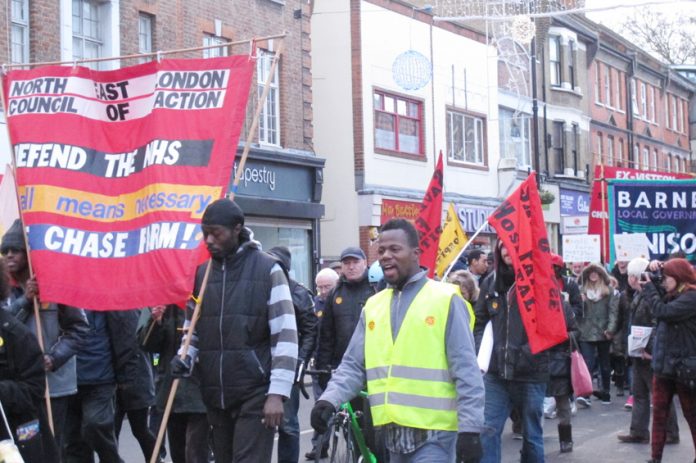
(89, 425)
(138, 424)
(188, 437)
(239, 436)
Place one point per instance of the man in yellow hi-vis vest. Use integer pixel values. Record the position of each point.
(415, 351)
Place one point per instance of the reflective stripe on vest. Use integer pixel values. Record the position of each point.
(408, 380)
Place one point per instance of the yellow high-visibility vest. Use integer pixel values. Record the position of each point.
(408, 380)
(472, 315)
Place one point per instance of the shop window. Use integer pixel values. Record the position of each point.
(465, 138)
(398, 124)
(293, 234)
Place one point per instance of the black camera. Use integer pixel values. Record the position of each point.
(655, 277)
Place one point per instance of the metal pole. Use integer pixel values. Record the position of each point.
(466, 246)
(535, 108)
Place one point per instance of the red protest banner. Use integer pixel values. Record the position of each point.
(519, 222)
(428, 222)
(115, 169)
(598, 223)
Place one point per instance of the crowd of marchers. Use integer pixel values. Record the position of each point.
(408, 341)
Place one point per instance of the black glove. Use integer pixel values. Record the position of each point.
(181, 368)
(321, 414)
(469, 447)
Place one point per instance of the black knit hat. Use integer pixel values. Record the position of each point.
(13, 238)
(223, 212)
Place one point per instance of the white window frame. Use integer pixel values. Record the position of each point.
(646, 158)
(607, 85)
(518, 142)
(145, 42)
(211, 39)
(653, 162)
(269, 119)
(478, 143)
(20, 26)
(644, 100)
(674, 112)
(610, 150)
(619, 100)
(652, 104)
(680, 116)
(83, 40)
(598, 95)
(555, 62)
(634, 98)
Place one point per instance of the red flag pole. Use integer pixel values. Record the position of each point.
(37, 312)
(197, 310)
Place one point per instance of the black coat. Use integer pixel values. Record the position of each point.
(134, 382)
(559, 356)
(164, 338)
(675, 334)
(306, 319)
(341, 315)
(511, 358)
(22, 386)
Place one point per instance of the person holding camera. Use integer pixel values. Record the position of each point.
(674, 349)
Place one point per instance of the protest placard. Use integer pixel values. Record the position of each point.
(581, 248)
(630, 245)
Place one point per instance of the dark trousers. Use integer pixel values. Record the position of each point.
(239, 436)
(289, 430)
(188, 437)
(598, 350)
(138, 424)
(59, 409)
(640, 414)
(663, 391)
(90, 425)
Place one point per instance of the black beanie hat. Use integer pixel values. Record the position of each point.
(13, 238)
(223, 212)
(283, 254)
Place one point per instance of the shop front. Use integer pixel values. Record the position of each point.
(280, 195)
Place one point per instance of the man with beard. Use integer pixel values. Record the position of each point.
(515, 377)
(412, 344)
(245, 340)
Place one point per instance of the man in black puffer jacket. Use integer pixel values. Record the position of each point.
(515, 377)
(307, 325)
(246, 339)
(342, 310)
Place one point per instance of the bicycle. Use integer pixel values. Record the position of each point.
(345, 434)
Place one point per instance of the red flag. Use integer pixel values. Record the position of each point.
(115, 169)
(428, 222)
(519, 222)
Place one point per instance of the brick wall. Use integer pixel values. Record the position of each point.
(181, 24)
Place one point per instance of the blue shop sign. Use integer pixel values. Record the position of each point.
(574, 203)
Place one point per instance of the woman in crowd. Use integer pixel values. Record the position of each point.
(468, 288)
(674, 350)
(597, 325)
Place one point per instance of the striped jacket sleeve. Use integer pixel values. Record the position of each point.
(281, 321)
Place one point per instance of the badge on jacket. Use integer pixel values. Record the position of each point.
(339, 300)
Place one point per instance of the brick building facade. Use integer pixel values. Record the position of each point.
(68, 30)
